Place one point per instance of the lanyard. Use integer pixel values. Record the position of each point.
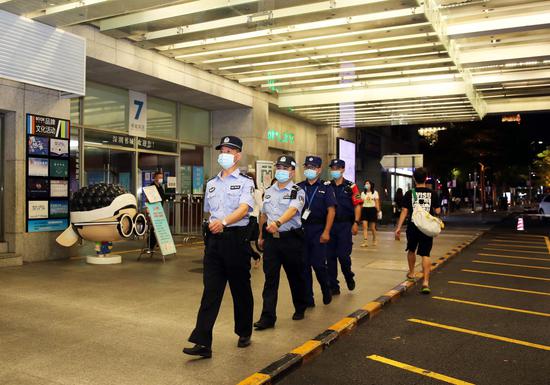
(312, 198)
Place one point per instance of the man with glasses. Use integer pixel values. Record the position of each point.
(346, 224)
(317, 217)
(228, 199)
(281, 233)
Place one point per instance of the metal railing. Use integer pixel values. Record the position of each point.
(185, 215)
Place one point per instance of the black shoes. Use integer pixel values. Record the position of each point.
(199, 350)
(262, 325)
(297, 316)
(244, 342)
(335, 291)
(327, 296)
(351, 283)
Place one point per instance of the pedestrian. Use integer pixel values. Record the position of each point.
(317, 218)
(417, 241)
(158, 180)
(282, 239)
(370, 212)
(346, 224)
(398, 203)
(229, 199)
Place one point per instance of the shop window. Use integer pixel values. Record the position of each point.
(194, 125)
(106, 107)
(161, 118)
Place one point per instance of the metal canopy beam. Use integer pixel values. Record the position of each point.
(374, 94)
(539, 103)
(524, 52)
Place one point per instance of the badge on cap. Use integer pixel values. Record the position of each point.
(293, 163)
(283, 159)
(226, 140)
(311, 159)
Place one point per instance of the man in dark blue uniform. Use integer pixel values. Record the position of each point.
(317, 218)
(346, 224)
(228, 199)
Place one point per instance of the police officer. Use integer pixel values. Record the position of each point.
(282, 238)
(317, 217)
(346, 224)
(229, 200)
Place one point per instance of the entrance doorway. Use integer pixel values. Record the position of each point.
(1, 177)
(105, 165)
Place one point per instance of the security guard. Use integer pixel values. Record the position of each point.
(283, 236)
(229, 199)
(317, 217)
(346, 224)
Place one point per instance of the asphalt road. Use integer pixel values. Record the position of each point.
(486, 322)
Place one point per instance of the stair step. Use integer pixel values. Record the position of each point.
(10, 259)
(3, 247)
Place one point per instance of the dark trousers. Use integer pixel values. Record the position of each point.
(316, 259)
(287, 252)
(339, 250)
(226, 259)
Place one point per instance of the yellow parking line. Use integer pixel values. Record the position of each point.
(493, 306)
(513, 257)
(547, 243)
(414, 369)
(519, 236)
(512, 264)
(514, 241)
(498, 288)
(517, 246)
(506, 275)
(481, 334)
(520, 251)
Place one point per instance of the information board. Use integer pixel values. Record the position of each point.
(47, 177)
(162, 230)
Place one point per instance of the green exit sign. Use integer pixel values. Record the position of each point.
(281, 137)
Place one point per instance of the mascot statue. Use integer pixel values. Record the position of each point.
(103, 213)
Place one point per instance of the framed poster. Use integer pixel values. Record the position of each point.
(264, 173)
(47, 189)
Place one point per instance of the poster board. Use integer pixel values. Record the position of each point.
(162, 230)
(47, 175)
(264, 173)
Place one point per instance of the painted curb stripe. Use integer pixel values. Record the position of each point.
(256, 379)
(327, 337)
(383, 300)
(360, 315)
(344, 324)
(308, 348)
(282, 366)
(372, 308)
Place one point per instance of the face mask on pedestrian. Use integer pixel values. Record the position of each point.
(367, 186)
(226, 160)
(310, 174)
(282, 176)
(335, 174)
(161, 181)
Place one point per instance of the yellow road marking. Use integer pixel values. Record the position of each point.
(256, 379)
(519, 236)
(512, 264)
(414, 369)
(344, 324)
(516, 246)
(481, 334)
(493, 306)
(547, 243)
(499, 288)
(306, 348)
(506, 275)
(521, 251)
(514, 241)
(512, 257)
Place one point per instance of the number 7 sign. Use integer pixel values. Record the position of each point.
(137, 124)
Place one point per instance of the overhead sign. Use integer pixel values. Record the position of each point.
(162, 230)
(138, 114)
(402, 161)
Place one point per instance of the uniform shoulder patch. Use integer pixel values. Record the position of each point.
(246, 176)
(296, 187)
(214, 177)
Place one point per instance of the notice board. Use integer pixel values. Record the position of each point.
(162, 230)
(47, 177)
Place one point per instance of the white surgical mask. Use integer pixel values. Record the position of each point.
(226, 160)
(161, 181)
(282, 175)
(310, 174)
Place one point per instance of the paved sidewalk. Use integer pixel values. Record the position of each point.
(66, 322)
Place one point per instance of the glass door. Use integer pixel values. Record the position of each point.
(105, 165)
(1, 177)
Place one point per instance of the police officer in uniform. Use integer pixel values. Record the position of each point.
(317, 218)
(346, 224)
(282, 238)
(228, 199)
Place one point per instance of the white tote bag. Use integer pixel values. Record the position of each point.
(428, 224)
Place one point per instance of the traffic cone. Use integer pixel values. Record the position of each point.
(520, 226)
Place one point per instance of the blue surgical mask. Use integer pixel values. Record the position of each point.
(310, 174)
(282, 176)
(367, 186)
(335, 174)
(226, 160)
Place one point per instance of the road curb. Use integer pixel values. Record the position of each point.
(303, 353)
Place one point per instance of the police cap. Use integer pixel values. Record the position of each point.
(312, 160)
(230, 141)
(337, 163)
(286, 160)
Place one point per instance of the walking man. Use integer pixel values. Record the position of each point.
(346, 224)
(282, 238)
(417, 241)
(317, 217)
(228, 199)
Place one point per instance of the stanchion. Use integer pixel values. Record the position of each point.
(520, 226)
